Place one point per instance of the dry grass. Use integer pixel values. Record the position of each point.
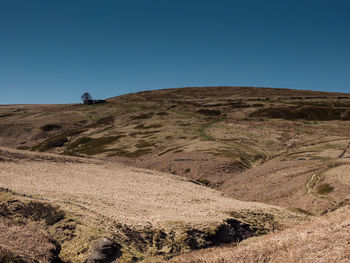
(108, 195)
(326, 239)
(178, 131)
(25, 241)
(127, 195)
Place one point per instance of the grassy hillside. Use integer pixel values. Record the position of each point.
(81, 201)
(204, 148)
(326, 239)
(213, 135)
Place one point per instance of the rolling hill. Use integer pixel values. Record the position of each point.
(158, 173)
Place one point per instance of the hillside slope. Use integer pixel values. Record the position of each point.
(116, 200)
(217, 136)
(326, 239)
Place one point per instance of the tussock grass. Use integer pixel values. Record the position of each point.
(324, 240)
(56, 141)
(92, 146)
(128, 154)
(40, 211)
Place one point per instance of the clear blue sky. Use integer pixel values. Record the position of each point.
(53, 51)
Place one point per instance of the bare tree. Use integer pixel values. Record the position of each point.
(86, 96)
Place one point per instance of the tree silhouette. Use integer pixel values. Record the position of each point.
(86, 96)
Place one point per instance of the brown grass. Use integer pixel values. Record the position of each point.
(326, 239)
(19, 242)
(127, 195)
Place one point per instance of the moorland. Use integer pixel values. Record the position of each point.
(197, 174)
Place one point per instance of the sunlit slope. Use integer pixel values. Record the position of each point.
(212, 135)
(124, 194)
(132, 206)
(326, 239)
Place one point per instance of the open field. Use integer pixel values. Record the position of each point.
(163, 172)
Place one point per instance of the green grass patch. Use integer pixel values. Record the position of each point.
(78, 142)
(56, 141)
(125, 153)
(92, 146)
(205, 126)
(203, 134)
(310, 122)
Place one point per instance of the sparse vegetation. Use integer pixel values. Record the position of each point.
(310, 113)
(92, 146)
(56, 141)
(331, 233)
(209, 112)
(125, 153)
(40, 211)
(143, 116)
(144, 144)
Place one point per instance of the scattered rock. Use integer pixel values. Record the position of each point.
(105, 251)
